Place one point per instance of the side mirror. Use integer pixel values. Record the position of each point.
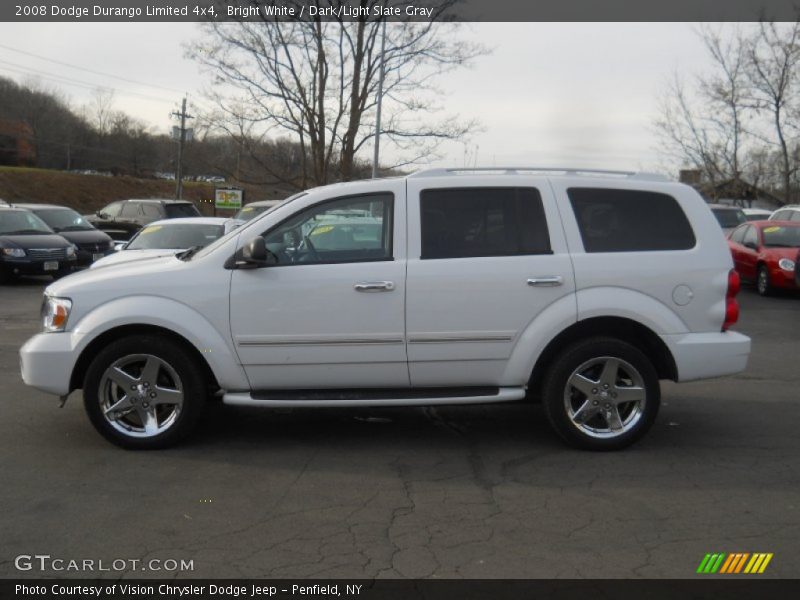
(256, 254)
(101, 214)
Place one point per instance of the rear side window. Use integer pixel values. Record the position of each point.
(458, 223)
(151, 210)
(181, 210)
(130, 209)
(629, 220)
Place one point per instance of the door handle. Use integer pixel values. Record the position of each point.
(546, 281)
(374, 286)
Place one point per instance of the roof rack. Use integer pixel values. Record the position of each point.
(543, 170)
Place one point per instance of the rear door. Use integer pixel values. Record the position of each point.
(486, 256)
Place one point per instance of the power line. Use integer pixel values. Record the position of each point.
(101, 73)
(14, 67)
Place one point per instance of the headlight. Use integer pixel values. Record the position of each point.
(787, 264)
(71, 250)
(55, 312)
(15, 252)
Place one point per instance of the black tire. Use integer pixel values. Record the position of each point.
(763, 284)
(634, 419)
(192, 383)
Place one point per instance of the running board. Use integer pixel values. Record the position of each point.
(374, 397)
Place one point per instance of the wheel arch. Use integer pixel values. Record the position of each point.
(621, 328)
(116, 333)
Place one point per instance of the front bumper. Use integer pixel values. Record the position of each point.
(27, 266)
(85, 257)
(706, 355)
(47, 361)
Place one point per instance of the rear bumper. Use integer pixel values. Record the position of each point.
(706, 355)
(47, 361)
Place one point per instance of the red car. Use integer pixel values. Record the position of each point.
(766, 252)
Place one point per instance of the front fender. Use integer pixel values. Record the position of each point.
(214, 345)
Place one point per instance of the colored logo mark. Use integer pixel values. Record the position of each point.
(737, 562)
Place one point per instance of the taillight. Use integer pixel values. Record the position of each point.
(731, 305)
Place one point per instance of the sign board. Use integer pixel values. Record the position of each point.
(228, 198)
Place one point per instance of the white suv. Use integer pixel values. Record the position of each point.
(578, 289)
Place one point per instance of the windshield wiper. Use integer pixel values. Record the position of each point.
(26, 232)
(187, 254)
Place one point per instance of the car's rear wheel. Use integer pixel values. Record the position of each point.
(601, 394)
(144, 392)
(763, 284)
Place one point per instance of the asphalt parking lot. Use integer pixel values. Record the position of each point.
(478, 492)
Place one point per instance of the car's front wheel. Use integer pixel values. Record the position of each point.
(601, 394)
(763, 284)
(144, 392)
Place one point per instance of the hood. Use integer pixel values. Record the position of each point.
(128, 256)
(45, 240)
(90, 236)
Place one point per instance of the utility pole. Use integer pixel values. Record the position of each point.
(380, 102)
(181, 141)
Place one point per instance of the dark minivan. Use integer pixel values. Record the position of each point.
(92, 244)
(122, 219)
(29, 247)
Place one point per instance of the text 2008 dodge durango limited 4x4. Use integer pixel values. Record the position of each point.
(577, 289)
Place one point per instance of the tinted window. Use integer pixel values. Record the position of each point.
(729, 217)
(112, 210)
(738, 235)
(63, 219)
(457, 223)
(151, 210)
(180, 236)
(130, 209)
(751, 237)
(781, 237)
(629, 220)
(181, 210)
(21, 222)
(353, 229)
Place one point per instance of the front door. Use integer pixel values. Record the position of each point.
(330, 313)
(483, 263)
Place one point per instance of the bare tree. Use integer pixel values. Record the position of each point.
(707, 129)
(317, 81)
(774, 53)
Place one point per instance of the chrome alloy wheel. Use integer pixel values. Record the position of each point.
(140, 395)
(605, 397)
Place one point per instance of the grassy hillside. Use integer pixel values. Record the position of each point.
(88, 193)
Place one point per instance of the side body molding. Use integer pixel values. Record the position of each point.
(175, 316)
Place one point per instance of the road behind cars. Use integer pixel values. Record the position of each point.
(445, 492)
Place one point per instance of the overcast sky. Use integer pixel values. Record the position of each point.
(577, 94)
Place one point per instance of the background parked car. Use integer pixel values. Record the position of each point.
(756, 214)
(122, 219)
(729, 217)
(91, 243)
(253, 209)
(29, 247)
(790, 212)
(170, 236)
(766, 252)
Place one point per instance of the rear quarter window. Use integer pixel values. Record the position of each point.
(175, 211)
(612, 220)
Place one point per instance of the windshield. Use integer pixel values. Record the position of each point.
(175, 237)
(729, 217)
(250, 211)
(782, 236)
(63, 219)
(21, 222)
(175, 211)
